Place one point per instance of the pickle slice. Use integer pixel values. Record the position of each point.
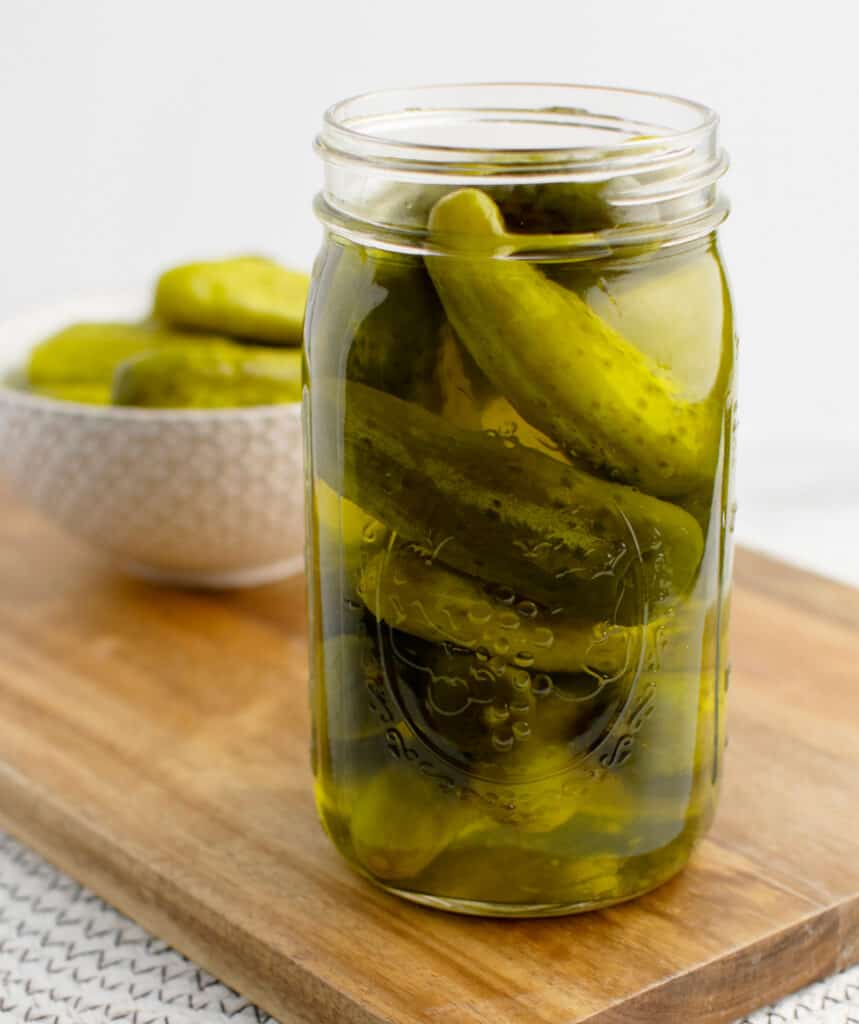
(565, 370)
(249, 297)
(209, 377)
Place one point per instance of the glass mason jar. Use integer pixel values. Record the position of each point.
(519, 433)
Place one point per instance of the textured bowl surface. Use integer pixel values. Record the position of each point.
(186, 496)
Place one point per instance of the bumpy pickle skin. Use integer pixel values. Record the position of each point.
(565, 370)
(208, 377)
(501, 511)
(78, 362)
(248, 297)
(428, 600)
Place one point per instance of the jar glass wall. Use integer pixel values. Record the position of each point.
(519, 412)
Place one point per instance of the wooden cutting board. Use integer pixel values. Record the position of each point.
(153, 743)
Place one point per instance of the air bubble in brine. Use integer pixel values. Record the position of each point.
(541, 685)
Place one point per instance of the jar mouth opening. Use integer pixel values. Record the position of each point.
(521, 131)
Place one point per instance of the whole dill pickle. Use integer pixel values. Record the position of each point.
(395, 344)
(562, 207)
(496, 509)
(380, 324)
(249, 297)
(429, 600)
(209, 377)
(565, 370)
(552, 208)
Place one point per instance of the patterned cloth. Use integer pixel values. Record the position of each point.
(833, 1001)
(66, 957)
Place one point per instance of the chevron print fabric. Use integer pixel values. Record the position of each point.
(66, 957)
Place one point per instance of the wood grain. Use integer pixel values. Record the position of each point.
(153, 743)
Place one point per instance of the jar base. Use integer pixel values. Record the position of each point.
(482, 908)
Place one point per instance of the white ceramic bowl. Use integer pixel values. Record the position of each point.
(195, 497)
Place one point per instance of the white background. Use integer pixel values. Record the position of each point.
(137, 133)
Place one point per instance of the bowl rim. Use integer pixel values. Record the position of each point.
(113, 303)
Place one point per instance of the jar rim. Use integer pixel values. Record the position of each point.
(421, 130)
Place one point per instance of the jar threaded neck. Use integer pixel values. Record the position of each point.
(656, 159)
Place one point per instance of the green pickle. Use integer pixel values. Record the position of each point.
(81, 394)
(422, 597)
(249, 297)
(565, 369)
(498, 509)
(222, 334)
(77, 364)
(212, 376)
(518, 468)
